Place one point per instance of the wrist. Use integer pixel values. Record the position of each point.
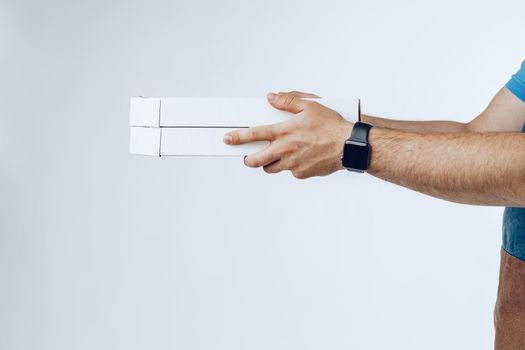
(344, 133)
(356, 150)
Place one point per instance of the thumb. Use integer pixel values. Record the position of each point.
(287, 101)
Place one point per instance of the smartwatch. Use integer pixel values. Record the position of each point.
(356, 151)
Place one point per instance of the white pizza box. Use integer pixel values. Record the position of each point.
(187, 142)
(218, 112)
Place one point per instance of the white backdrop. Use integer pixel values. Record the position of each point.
(103, 250)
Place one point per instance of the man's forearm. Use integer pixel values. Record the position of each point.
(482, 162)
(473, 168)
(417, 126)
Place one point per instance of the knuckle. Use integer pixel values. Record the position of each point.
(288, 150)
(292, 164)
(290, 145)
(252, 134)
(281, 129)
(272, 131)
(294, 146)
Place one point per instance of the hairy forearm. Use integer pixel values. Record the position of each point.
(473, 168)
(417, 126)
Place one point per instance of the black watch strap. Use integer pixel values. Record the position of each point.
(356, 151)
(360, 132)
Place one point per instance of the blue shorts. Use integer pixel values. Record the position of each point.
(514, 218)
(514, 230)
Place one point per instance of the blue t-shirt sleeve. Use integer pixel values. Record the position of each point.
(516, 84)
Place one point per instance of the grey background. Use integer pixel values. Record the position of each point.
(103, 250)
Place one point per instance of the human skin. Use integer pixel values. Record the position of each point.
(481, 162)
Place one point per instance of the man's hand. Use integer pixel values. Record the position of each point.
(309, 144)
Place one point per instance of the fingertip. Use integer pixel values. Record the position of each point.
(227, 139)
(271, 96)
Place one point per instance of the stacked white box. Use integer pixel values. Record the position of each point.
(195, 126)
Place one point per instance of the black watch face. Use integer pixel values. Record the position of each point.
(356, 155)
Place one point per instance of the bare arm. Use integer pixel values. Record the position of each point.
(473, 168)
(417, 126)
(481, 163)
(502, 114)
